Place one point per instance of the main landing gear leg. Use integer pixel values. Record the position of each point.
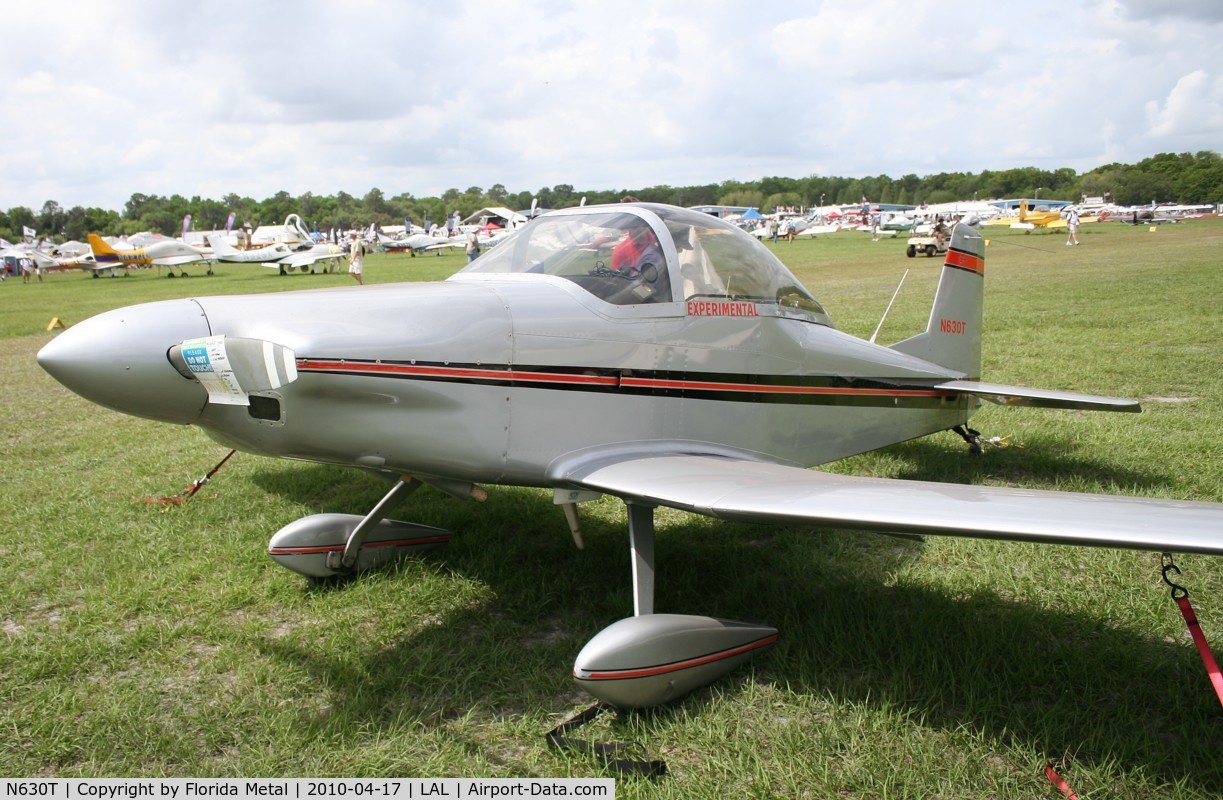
(398, 493)
(641, 543)
(650, 658)
(323, 546)
(641, 546)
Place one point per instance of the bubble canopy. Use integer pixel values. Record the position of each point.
(631, 254)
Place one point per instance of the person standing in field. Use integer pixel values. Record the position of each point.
(356, 259)
(472, 246)
(1072, 225)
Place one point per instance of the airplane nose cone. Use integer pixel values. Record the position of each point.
(118, 360)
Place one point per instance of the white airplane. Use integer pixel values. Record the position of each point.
(814, 230)
(48, 261)
(320, 257)
(224, 251)
(279, 255)
(421, 242)
(169, 253)
(83, 261)
(653, 353)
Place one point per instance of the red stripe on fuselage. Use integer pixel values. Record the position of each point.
(454, 373)
(578, 378)
(759, 388)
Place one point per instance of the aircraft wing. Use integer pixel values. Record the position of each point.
(178, 261)
(753, 491)
(306, 257)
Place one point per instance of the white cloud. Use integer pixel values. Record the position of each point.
(1193, 109)
(323, 96)
(888, 41)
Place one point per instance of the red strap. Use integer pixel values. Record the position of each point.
(189, 492)
(1199, 639)
(1052, 775)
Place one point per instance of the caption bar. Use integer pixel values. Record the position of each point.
(306, 788)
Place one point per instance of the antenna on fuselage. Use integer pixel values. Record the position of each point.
(889, 308)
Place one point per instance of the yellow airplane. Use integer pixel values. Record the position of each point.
(168, 253)
(1030, 219)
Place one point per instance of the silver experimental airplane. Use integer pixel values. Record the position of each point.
(649, 352)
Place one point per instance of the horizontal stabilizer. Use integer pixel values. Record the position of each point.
(1039, 398)
(753, 491)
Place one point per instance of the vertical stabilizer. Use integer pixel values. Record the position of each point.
(101, 249)
(952, 337)
(219, 246)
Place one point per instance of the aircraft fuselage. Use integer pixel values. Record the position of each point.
(494, 381)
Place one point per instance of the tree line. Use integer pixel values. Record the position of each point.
(1167, 177)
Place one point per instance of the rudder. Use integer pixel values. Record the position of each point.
(100, 247)
(219, 245)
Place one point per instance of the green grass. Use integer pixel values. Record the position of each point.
(144, 641)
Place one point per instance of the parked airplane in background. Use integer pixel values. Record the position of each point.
(419, 243)
(1155, 215)
(169, 253)
(487, 236)
(85, 261)
(653, 353)
(279, 255)
(317, 258)
(1029, 219)
(224, 251)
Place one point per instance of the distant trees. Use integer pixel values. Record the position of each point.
(1166, 177)
(1183, 178)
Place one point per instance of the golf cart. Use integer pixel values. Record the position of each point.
(930, 245)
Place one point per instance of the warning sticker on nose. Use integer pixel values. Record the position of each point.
(208, 361)
(232, 368)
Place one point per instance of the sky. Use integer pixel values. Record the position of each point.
(105, 100)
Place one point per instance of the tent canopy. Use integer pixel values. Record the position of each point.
(504, 216)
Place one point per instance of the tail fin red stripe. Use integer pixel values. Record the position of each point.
(956, 258)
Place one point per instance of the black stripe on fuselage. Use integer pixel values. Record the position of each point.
(742, 388)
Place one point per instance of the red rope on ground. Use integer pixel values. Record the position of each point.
(186, 494)
(1052, 775)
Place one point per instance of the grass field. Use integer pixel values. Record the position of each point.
(145, 641)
